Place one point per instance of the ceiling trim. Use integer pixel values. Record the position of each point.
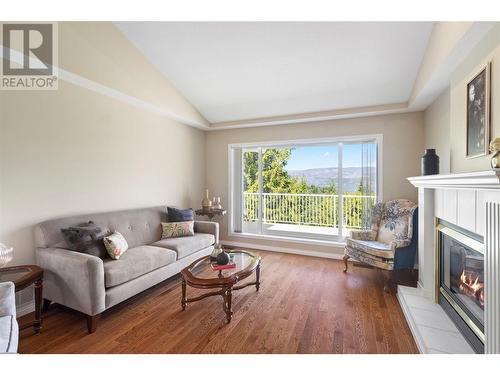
(433, 78)
(99, 88)
(313, 116)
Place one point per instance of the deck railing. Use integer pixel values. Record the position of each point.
(309, 209)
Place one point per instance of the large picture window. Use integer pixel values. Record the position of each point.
(315, 189)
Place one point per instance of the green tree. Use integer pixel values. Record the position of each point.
(275, 178)
(356, 213)
(293, 208)
(251, 171)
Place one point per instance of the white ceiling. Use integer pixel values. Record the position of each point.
(243, 70)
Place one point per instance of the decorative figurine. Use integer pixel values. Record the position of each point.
(495, 149)
(215, 252)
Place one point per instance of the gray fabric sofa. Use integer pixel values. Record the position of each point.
(9, 329)
(91, 285)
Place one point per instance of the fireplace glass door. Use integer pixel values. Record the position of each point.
(461, 274)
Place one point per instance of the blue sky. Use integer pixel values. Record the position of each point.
(308, 157)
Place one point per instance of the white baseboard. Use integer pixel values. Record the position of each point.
(25, 308)
(289, 250)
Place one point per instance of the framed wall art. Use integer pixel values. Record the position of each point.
(478, 113)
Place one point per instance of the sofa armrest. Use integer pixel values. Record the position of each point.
(73, 279)
(7, 299)
(210, 227)
(363, 235)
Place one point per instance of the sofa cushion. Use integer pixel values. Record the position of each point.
(185, 246)
(384, 263)
(136, 262)
(378, 249)
(9, 332)
(7, 299)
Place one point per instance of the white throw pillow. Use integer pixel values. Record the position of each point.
(115, 244)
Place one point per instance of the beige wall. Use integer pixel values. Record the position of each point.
(437, 129)
(403, 144)
(447, 115)
(75, 150)
(99, 52)
(487, 50)
(443, 40)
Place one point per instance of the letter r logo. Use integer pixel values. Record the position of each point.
(28, 49)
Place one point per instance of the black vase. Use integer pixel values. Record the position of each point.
(430, 162)
(223, 258)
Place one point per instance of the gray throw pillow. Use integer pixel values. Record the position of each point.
(86, 238)
(177, 214)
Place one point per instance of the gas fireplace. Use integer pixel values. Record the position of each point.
(461, 280)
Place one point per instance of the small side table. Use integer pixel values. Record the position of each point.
(23, 277)
(211, 212)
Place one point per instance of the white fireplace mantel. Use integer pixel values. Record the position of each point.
(471, 201)
(472, 180)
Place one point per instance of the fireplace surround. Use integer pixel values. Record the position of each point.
(460, 280)
(468, 204)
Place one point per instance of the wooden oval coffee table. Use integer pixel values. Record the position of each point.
(200, 275)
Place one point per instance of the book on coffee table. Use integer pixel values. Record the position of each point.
(218, 267)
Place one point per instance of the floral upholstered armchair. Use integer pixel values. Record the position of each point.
(391, 243)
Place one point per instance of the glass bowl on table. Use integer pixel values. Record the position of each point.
(6, 254)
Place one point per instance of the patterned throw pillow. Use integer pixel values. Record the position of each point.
(178, 229)
(116, 245)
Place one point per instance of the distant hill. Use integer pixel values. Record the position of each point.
(324, 176)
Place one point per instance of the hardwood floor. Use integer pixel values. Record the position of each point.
(305, 305)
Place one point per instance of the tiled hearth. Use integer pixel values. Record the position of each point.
(470, 201)
(433, 330)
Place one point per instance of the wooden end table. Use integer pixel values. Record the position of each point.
(200, 275)
(23, 277)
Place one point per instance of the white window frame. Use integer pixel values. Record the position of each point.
(377, 138)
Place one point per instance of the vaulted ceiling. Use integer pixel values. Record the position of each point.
(245, 70)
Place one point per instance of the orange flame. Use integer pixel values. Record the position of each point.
(473, 285)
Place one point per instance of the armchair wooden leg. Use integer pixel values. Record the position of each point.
(92, 322)
(387, 280)
(345, 258)
(46, 305)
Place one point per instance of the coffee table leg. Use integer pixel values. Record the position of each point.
(38, 305)
(183, 298)
(228, 296)
(257, 277)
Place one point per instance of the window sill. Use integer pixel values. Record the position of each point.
(306, 241)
